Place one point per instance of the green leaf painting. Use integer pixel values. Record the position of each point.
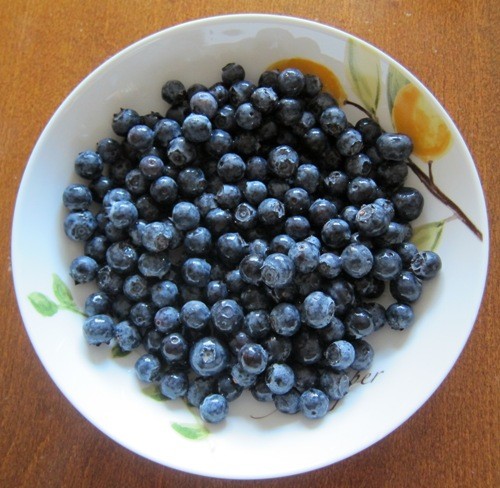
(191, 431)
(117, 352)
(64, 299)
(363, 72)
(427, 237)
(43, 305)
(395, 81)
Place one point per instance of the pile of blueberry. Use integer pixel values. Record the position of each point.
(243, 240)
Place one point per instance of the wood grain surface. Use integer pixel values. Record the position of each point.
(47, 48)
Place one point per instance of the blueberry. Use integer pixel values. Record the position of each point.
(396, 147)
(264, 99)
(175, 348)
(228, 388)
(197, 128)
(148, 368)
(100, 186)
(307, 177)
(109, 149)
(240, 92)
(387, 264)
(291, 82)
(241, 377)
(279, 378)
(219, 143)
(349, 142)
(98, 329)
(232, 72)
(329, 265)
(154, 265)
(406, 287)
(123, 214)
(361, 190)
(363, 355)
(277, 187)
(369, 286)
(334, 331)
(208, 357)
(377, 312)
(97, 303)
(127, 336)
(288, 112)
(253, 358)
(260, 391)
(297, 201)
(277, 271)
(196, 272)
(250, 268)
(357, 260)
(167, 319)
(391, 175)
(141, 314)
(247, 116)
(359, 322)
(321, 211)
(156, 237)
(399, 316)
(166, 130)
(288, 403)
(256, 169)
(407, 251)
(214, 408)
(121, 306)
(164, 293)
(257, 324)
(425, 265)
(216, 290)
(307, 348)
(80, 226)
(333, 121)
(339, 355)
(185, 216)
(195, 314)
(283, 161)
(318, 309)
(227, 316)
(232, 247)
(199, 388)
(278, 347)
(314, 403)
(228, 196)
(316, 140)
(335, 385)
(140, 137)
(109, 281)
(181, 152)
(231, 168)
(173, 92)
(284, 319)
(245, 216)
(305, 256)
(164, 190)
(225, 118)
(297, 227)
(336, 233)
(174, 385)
(198, 242)
(89, 165)
(271, 212)
(77, 197)
(254, 192)
(83, 269)
(408, 203)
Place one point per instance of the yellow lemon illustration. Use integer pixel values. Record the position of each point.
(331, 83)
(413, 114)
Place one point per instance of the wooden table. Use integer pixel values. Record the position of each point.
(48, 47)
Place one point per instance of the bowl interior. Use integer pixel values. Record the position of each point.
(253, 442)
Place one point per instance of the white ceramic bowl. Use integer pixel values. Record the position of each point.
(408, 366)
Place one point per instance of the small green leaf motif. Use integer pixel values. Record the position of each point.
(117, 352)
(62, 292)
(191, 431)
(395, 81)
(153, 391)
(43, 305)
(363, 71)
(427, 237)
